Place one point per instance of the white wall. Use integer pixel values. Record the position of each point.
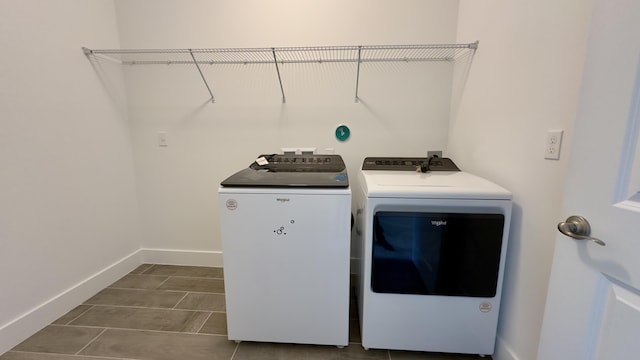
(404, 108)
(68, 206)
(524, 81)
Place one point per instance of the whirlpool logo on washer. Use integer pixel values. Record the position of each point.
(439, 222)
(283, 200)
(232, 204)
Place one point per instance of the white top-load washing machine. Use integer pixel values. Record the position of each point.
(432, 252)
(286, 225)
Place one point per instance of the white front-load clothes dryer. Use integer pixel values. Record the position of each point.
(432, 247)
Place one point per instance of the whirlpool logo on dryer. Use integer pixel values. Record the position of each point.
(283, 200)
(439, 222)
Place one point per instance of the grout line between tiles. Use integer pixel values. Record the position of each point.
(165, 290)
(139, 289)
(91, 341)
(150, 308)
(146, 330)
(235, 351)
(204, 322)
(179, 301)
(147, 269)
(76, 318)
(133, 306)
(195, 277)
(162, 283)
(54, 355)
(198, 292)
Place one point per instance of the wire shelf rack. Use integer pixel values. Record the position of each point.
(286, 55)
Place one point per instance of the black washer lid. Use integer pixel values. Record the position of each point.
(287, 171)
(300, 163)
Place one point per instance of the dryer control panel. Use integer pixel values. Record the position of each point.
(409, 164)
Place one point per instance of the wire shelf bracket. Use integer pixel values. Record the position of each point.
(202, 76)
(275, 62)
(286, 55)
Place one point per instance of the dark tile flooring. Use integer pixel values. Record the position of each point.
(162, 312)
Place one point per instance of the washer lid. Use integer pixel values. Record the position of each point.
(441, 184)
(298, 171)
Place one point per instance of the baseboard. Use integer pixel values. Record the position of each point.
(20, 328)
(503, 351)
(181, 257)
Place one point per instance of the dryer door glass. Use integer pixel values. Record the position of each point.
(455, 254)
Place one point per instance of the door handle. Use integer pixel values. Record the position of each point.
(578, 228)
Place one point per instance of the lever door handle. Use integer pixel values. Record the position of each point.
(578, 228)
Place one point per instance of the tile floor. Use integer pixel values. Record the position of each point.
(162, 312)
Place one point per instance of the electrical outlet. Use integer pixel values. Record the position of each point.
(162, 139)
(436, 153)
(553, 144)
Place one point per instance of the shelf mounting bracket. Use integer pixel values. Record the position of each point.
(202, 76)
(358, 72)
(275, 62)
